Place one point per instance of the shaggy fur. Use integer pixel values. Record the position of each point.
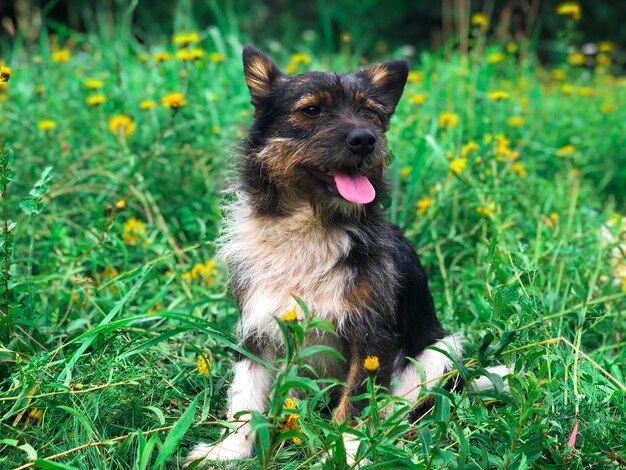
(293, 233)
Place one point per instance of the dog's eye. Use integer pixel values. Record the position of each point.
(312, 111)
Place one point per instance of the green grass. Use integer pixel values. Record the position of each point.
(103, 320)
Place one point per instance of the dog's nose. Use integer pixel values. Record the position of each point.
(361, 141)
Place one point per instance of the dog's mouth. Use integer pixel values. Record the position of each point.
(349, 183)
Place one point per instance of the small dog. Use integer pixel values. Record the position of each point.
(308, 223)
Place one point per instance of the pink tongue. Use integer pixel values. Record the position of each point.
(354, 187)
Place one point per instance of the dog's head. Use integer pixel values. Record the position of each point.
(320, 137)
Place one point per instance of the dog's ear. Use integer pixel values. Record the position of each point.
(260, 72)
(386, 82)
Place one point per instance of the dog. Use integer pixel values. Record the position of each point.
(308, 222)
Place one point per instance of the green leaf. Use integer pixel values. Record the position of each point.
(49, 465)
(176, 433)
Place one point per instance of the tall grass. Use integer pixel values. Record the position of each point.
(116, 325)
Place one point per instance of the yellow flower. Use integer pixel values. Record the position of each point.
(605, 46)
(346, 37)
(469, 148)
(458, 165)
(405, 172)
(290, 315)
(133, 230)
(415, 76)
(558, 74)
(204, 271)
(503, 150)
(142, 57)
(371, 364)
(120, 205)
(567, 89)
(187, 55)
(174, 100)
(93, 84)
(290, 404)
(498, 95)
(203, 364)
(61, 56)
(96, 99)
(519, 169)
(301, 58)
(121, 124)
(586, 91)
(512, 47)
(481, 20)
(495, 58)
(418, 99)
(161, 57)
(448, 120)
(487, 211)
(566, 150)
(35, 414)
(216, 57)
(147, 104)
(604, 59)
(185, 39)
(551, 220)
(576, 58)
(424, 204)
(572, 9)
(46, 124)
(5, 73)
(607, 108)
(516, 121)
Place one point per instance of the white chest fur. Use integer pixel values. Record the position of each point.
(277, 258)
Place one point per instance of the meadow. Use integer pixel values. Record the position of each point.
(116, 325)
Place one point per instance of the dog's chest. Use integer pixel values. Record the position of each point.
(273, 260)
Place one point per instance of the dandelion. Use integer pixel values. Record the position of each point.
(297, 59)
(558, 74)
(586, 91)
(424, 204)
(519, 169)
(185, 39)
(203, 364)
(487, 210)
(96, 99)
(174, 100)
(552, 219)
(405, 172)
(202, 271)
(495, 58)
(572, 9)
(290, 315)
(419, 99)
(120, 205)
(290, 404)
(161, 57)
(448, 120)
(516, 121)
(498, 95)
(469, 148)
(512, 47)
(35, 414)
(566, 150)
(576, 59)
(415, 76)
(46, 124)
(371, 364)
(61, 56)
(5, 73)
(606, 46)
(143, 57)
(503, 149)
(188, 55)
(481, 20)
(216, 57)
(93, 84)
(121, 124)
(607, 108)
(133, 231)
(147, 104)
(457, 166)
(567, 89)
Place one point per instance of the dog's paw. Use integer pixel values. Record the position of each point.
(234, 447)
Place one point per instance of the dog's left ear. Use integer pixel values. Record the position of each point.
(387, 82)
(261, 73)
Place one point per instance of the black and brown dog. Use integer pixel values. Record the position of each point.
(308, 222)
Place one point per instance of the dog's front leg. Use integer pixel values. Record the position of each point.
(248, 392)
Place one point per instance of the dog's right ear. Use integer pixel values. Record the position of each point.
(261, 73)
